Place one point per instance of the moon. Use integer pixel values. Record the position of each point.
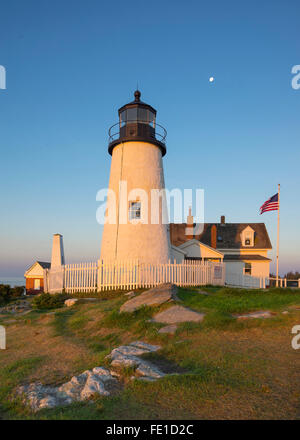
(211, 79)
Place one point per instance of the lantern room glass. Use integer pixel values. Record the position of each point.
(137, 114)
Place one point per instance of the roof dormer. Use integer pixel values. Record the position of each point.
(247, 237)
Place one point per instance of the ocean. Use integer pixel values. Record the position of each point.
(13, 281)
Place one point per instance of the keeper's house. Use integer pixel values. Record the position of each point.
(243, 247)
(35, 277)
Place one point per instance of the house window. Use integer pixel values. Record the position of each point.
(37, 284)
(247, 269)
(248, 239)
(134, 210)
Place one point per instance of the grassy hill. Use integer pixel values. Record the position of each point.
(228, 368)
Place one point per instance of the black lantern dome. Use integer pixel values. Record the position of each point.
(137, 122)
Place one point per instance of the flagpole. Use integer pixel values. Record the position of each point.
(277, 253)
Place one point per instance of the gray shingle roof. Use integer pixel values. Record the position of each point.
(44, 264)
(245, 257)
(228, 235)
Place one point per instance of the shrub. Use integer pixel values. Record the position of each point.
(47, 301)
(7, 293)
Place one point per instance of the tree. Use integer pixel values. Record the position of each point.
(292, 275)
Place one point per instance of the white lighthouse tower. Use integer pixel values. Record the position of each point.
(137, 146)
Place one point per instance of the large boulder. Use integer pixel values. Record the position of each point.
(153, 297)
(176, 314)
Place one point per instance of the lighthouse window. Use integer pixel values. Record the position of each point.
(143, 116)
(132, 114)
(134, 210)
(151, 118)
(123, 116)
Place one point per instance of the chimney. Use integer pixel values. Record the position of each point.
(58, 257)
(222, 219)
(189, 230)
(213, 236)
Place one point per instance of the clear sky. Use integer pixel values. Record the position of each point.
(71, 64)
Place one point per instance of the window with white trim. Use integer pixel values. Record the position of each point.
(247, 269)
(247, 237)
(135, 210)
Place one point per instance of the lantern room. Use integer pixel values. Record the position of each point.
(137, 122)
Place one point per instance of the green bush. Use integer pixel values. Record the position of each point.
(7, 293)
(47, 301)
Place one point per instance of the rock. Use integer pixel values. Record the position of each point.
(153, 297)
(79, 388)
(134, 349)
(130, 294)
(127, 355)
(93, 385)
(47, 402)
(258, 314)
(71, 302)
(146, 369)
(168, 329)
(125, 361)
(74, 387)
(128, 350)
(176, 314)
(101, 371)
(100, 380)
(147, 347)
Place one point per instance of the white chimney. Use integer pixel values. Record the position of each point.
(58, 256)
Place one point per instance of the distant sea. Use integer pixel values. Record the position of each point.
(13, 281)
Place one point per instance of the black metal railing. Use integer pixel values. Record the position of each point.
(159, 131)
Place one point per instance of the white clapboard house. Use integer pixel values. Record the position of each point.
(243, 247)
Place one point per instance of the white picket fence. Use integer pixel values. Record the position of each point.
(81, 277)
(105, 275)
(245, 281)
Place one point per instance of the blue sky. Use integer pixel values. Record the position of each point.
(71, 64)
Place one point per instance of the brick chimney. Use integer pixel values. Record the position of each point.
(222, 219)
(189, 230)
(213, 236)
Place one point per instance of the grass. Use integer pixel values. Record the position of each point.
(228, 368)
(229, 300)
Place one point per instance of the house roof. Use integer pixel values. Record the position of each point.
(242, 257)
(44, 264)
(228, 235)
(199, 243)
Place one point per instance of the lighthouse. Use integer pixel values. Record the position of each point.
(138, 228)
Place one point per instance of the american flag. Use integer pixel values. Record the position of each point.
(270, 205)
